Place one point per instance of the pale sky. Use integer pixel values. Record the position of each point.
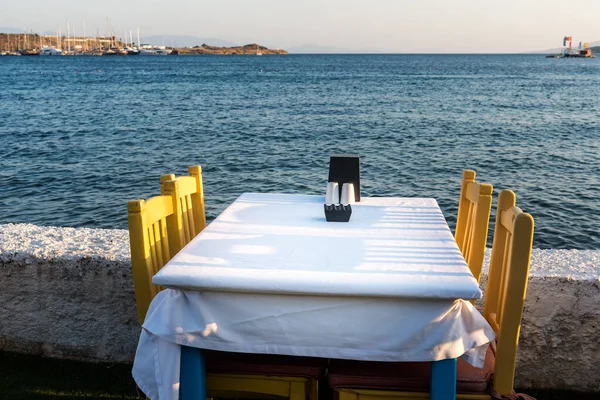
(407, 26)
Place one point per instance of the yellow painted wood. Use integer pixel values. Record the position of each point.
(359, 394)
(249, 384)
(463, 208)
(153, 240)
(312, 388)
(198, 200)
(163, 179)
(298, 391)
(507, 285)
(508, 218)
(472, 192)
(258, 386)
(472, 221)
(188, 200)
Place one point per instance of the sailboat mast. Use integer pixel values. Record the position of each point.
(108, 32)
(139, 43)
(68, 37)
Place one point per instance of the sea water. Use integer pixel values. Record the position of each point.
(80, 136)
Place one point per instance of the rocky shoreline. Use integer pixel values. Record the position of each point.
(249, 49)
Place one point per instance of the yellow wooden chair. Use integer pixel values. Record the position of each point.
(154, 237)
(188, 200)
(473, 220)
(504, 300)
(158, 229)
(507, 285)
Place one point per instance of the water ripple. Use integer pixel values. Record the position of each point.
(81, 136)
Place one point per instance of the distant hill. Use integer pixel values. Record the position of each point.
(185, 41)
(249, 49)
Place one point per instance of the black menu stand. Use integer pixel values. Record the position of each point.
(343, 168)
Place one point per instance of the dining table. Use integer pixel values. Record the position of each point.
(271, 276)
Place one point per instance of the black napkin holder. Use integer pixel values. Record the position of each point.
(337, 212)
(344, 168)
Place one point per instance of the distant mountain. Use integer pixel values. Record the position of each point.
(184, 41)
(8, 29)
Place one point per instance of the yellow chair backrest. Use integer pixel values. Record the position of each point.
(154, 237)
(473, 220)
(163, 179)
(188, 201)
(507, 285)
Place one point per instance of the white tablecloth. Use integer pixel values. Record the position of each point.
(282, 244)
(270, 276)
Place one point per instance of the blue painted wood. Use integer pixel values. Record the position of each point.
(192, 374)
(443, 380)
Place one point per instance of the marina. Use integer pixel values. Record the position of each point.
(34, 44)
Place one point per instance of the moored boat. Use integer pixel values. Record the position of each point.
(568, 52)
(50, 51)
(147, 52)
(30, 52)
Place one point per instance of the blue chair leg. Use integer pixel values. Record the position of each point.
(443, 380)
(192, 374)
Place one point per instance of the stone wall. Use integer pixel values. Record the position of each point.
(68, 293)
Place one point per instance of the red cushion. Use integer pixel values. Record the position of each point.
(220, 362)
(411, 376)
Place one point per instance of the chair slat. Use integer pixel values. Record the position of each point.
(190, 216)
(184, 218)
(152, 244)
(188, 199)
(473, 220)
(164, 240)
(158, 244)
(198, 198)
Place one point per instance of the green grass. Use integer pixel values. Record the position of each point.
(25, 377)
